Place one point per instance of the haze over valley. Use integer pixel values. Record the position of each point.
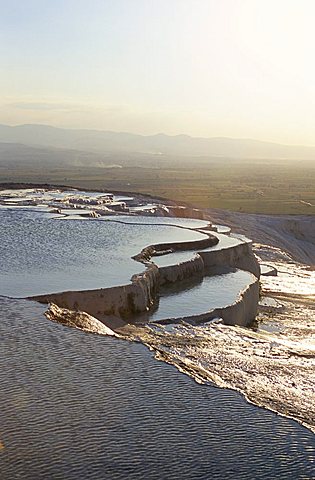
(107, 142)
(157, 239)
(235, 174)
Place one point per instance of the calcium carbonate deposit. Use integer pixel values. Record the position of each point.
(177, 285)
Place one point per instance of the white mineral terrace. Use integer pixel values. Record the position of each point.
(185, 288)
(63, 247)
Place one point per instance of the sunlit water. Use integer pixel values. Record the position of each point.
(292, 278)
(79, 406)
(75, 405)
(273, 366)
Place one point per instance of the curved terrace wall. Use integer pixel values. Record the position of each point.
(122, 301)
(154, 250)
(239, 256)
(242, 312)
(138, 296)
(125, 300)
(181, 271)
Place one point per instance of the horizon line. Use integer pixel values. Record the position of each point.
(157, 134)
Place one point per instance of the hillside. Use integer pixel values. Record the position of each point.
(160, 144)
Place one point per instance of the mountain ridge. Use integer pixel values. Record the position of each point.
(106, 141)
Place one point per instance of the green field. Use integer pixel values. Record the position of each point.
(239, 186)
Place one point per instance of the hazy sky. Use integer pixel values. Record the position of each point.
(239, 68)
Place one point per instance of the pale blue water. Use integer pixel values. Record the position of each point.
(40, 254)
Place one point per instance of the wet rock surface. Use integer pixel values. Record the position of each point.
(80, 320)
(271, 364)
(273, 370)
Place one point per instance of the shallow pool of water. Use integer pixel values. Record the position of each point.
(203, 295)
(180, 222)
(40, 254)
(225, 241)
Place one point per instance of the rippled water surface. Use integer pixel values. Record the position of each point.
(83, 406)
(40, 254)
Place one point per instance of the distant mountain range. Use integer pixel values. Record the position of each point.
(106, 142)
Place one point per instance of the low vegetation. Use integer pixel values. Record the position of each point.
(258, 187)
